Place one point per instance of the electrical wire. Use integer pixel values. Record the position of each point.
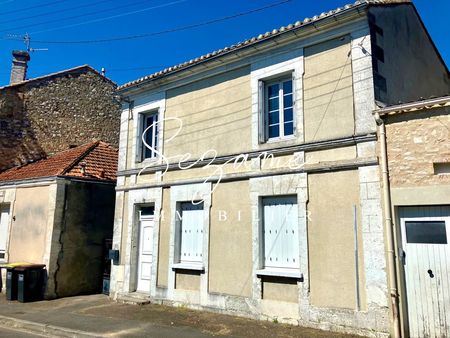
(32, 7)
(54, 12)
(171, 30)
(81, 16)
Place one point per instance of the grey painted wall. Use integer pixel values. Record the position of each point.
(87, 222)
(405, 57)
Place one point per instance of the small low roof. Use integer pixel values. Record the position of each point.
(425, 104)
(98, 158)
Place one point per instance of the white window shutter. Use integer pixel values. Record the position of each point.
(261, 113)
(294, 104)
(4, 220)
(191, 233)
(139, 131)
(281, 241)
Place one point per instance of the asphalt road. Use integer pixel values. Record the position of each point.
(10, 333)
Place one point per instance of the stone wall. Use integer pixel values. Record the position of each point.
(39, 118)
(416, 141)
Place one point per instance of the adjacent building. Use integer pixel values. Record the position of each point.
(42, 116)
(59, 212)
(249, 178)
(417, 153)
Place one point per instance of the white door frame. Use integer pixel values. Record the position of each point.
(142, 286)
(404, 261)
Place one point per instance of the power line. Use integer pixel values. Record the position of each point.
(32, 7)
(54, 12)
(76, 17)
(332, 94)
(172, 30)
(113, 16)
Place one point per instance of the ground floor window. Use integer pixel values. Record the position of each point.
(190, 244)
(4, 221)
(280, 233)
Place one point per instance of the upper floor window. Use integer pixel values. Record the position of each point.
(278, 109)
(149, 133)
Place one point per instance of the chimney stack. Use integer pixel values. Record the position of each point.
(19, 66)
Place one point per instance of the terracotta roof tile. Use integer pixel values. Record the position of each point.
(98, 158)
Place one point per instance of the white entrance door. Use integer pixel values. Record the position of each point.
(425, 237)
(4, 221)
(145, 258)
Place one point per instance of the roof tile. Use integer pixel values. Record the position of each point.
(98, 158)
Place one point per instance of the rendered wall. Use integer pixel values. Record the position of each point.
(230, 250)
(215, 113)
(87, 222)
(164, 238)
(280, 289)
(29, 229)
(331, 239)
(187, 280)
(328, 91)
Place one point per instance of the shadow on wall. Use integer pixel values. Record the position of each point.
(18, 142)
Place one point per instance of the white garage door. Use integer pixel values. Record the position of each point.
(425, 239)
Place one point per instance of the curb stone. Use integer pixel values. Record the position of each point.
(47, 329)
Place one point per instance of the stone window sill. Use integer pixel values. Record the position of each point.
(280, 273)
(188, 266)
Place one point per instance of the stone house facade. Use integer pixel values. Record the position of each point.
(249, 178)
(59, 211)
(42, 116)
(417, 136)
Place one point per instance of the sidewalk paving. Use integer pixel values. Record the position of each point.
(98, 316)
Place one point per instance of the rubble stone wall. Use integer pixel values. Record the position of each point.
(42, 117)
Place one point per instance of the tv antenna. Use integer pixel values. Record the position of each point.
(27, 41)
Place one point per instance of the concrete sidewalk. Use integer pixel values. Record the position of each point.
(98, 316)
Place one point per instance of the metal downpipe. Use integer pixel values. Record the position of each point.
(389, 228)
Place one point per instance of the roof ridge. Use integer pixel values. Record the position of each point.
(93, 145)
(61, 72)
(259, 38)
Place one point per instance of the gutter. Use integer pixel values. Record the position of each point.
(35, 181)
(416, 105)
(389, 227)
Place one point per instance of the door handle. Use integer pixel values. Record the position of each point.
(430, 273)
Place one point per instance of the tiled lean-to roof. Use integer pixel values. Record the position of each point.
(260, 38)
(98, 158)
(415, 106)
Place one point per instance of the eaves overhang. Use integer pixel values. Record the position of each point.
(432, 103)
(276, 38)
(50, 180)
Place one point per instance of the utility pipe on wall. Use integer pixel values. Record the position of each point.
(389, 227)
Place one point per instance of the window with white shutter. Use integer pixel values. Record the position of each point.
(191, 231)
(4, 221)
(280, 232)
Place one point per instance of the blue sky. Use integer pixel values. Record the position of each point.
(67, 20)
